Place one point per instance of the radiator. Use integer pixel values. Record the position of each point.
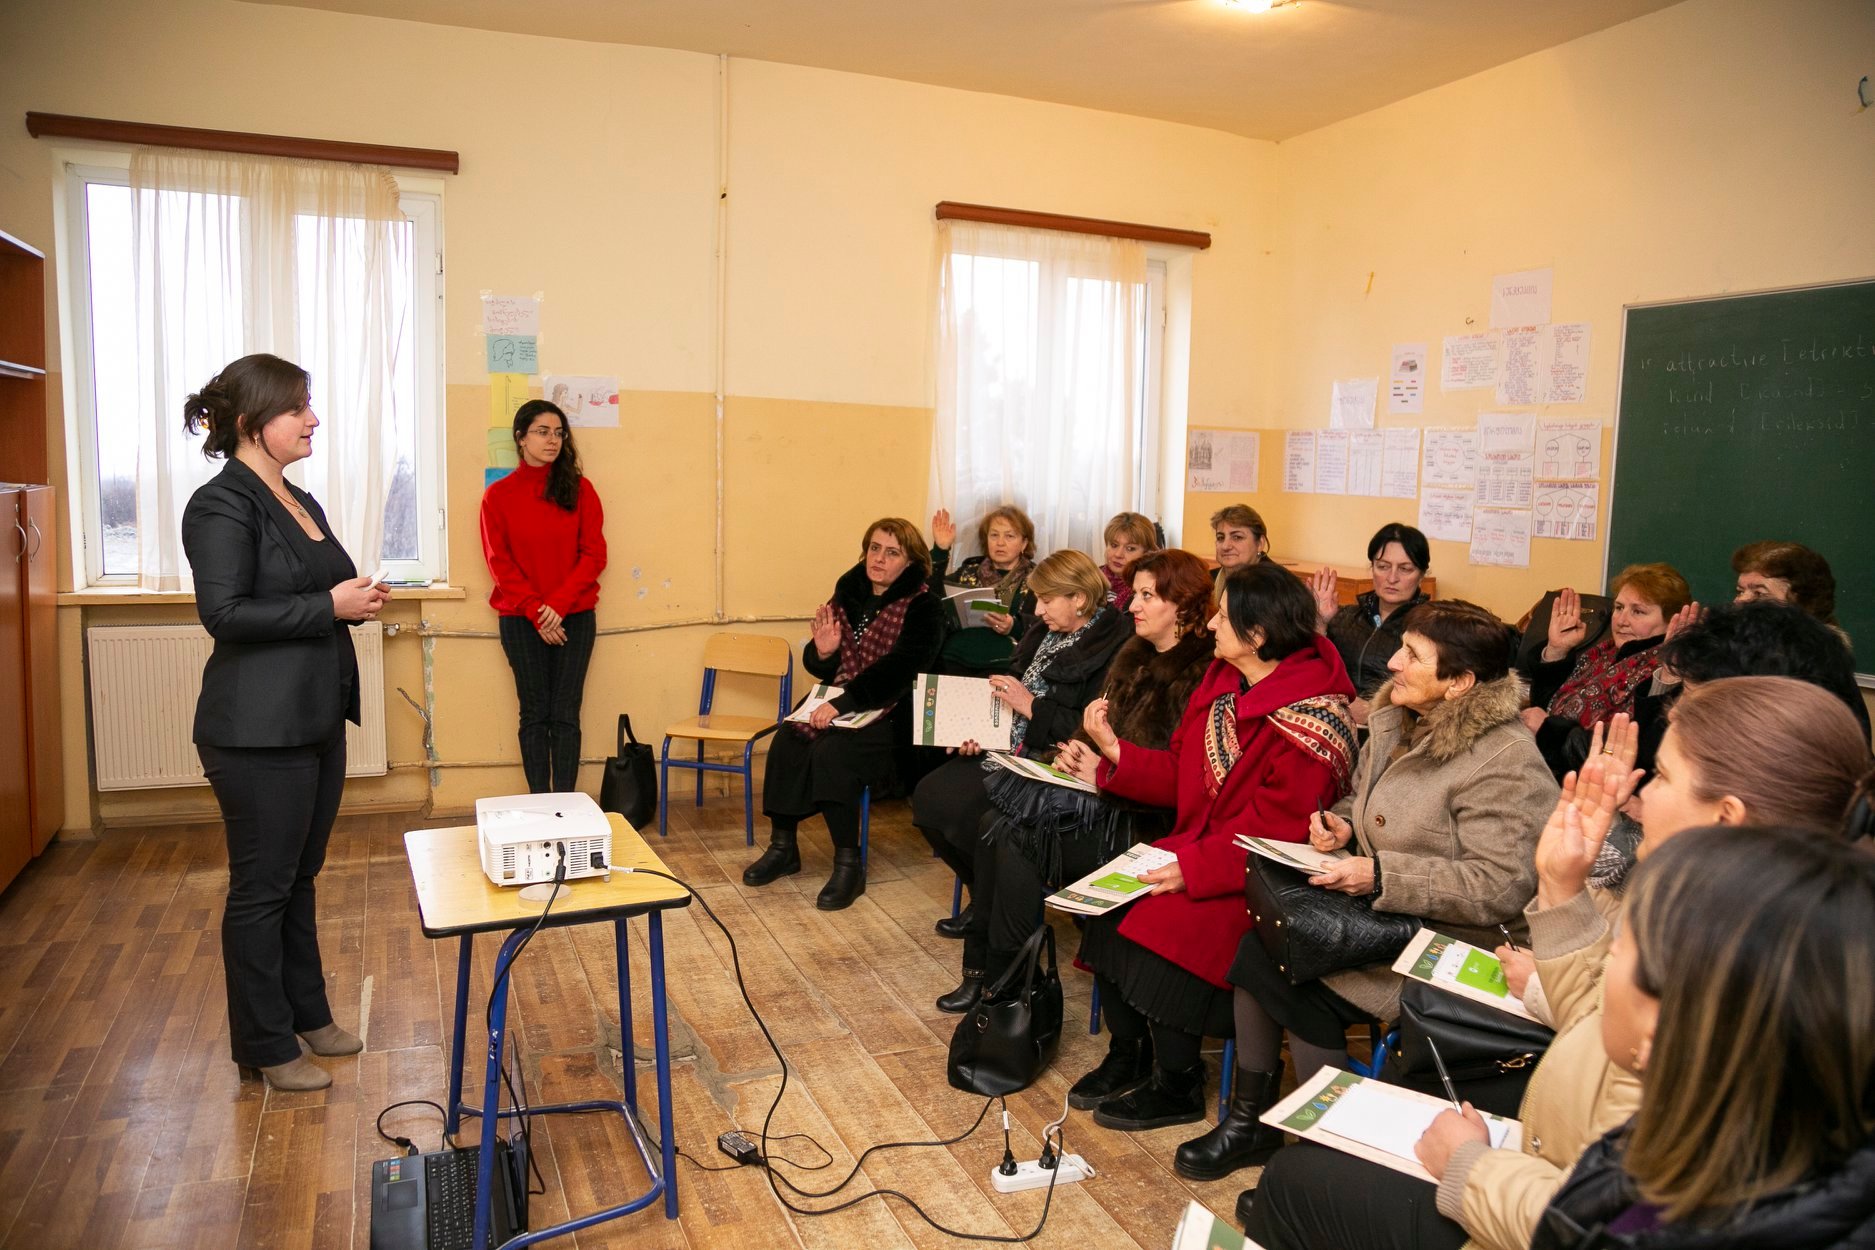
(144, 682)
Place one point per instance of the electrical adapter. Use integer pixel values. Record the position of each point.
(738, 1147)
(1032, 1175)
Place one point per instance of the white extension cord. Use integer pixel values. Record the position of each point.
(1032, 1175)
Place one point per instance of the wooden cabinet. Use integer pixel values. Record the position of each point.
(31, 786)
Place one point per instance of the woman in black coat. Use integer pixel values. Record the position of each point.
(277, 593)
(1058, 668)
(1367, 632)
(871, 639)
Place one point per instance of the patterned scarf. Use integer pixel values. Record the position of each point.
(1122, 589)
(1603, 683)
(1035, 683)
(862, 648)
(1321, 725)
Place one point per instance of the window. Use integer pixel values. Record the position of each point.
(102, 282)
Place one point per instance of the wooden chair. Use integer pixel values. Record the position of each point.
(755, 654)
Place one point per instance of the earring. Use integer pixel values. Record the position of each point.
(1634, 1058)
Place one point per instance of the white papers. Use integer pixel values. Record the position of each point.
(1351, 403)
(1220, 460)
(1406, 380)
(1306, 1113)
(1371, 1114)
(1565, 510)
(1517, 371)
(1399, 470)
(1500, 536)
(1459, 968)
(1569, 451)
(826, 694)
(950, 711)
(1500, 432)
(1035, 770)
(1469, 362)
(1198, 1229)
(1544, 364)
(1521, 298)
(1451, 459)
(587, 399)
(1366, 449)
(1445, 512)
(1295, 854)
(1112, 885)
(973, 604)
(1504, 479)
(1299, 461)
(1331, 462)
(510, 314)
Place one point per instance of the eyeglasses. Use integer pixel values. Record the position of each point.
(549, 431)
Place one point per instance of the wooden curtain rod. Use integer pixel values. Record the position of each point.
(61, 126)
(950, 210)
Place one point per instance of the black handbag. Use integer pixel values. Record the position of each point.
(630, 783)
(1009, 1038)
(1476, 1041)
(1310, 931)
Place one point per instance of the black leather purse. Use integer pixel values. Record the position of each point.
(1310, 931)
(629, 784)
(1009, 1038)
(1476, 1041)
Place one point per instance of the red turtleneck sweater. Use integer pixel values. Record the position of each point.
(537, 551)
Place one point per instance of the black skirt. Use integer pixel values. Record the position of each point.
(1311, 1011)
(832, 768)
(1153, 985)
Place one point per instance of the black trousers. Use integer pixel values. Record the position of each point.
(1314, 1198)
(550, 682)
(824, 775)
(948, 807)
(278, 805)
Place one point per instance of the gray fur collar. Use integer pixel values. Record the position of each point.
(1455, 726)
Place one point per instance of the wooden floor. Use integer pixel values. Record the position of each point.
(123, 1123)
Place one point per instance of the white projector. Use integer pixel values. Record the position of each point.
(525, 836)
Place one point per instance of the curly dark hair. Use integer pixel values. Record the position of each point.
(1764, 638)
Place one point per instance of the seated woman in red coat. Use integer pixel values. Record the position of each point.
(1265, 741)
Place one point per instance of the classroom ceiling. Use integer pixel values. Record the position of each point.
(1266, 75)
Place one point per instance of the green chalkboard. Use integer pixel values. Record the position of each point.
(1747, 417)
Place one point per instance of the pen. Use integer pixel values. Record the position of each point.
(1508, 939)
(1445, 1077)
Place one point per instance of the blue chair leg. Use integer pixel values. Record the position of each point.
(748, 794)
(1226, 1078)
(865, 822)
(1093, 1011)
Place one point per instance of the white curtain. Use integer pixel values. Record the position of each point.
(240, 254)
(1039, 368)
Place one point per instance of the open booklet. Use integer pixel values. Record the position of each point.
(1295, 854)
(972, 603)
(1199, 1229)
(1112, 885)
(1459, 968)
(950, 711)
(1035, 770)
(827, 694)
(1372, 1120)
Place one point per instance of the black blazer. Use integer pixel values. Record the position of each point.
(277, 677)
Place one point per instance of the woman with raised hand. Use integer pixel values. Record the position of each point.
(872, 638)
(1006, 541)
(1367, 631)
(278, 595)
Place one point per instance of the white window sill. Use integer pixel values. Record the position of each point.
(132, 596)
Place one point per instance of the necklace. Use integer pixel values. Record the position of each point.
(292, 504)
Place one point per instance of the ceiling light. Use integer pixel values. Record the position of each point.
(1254, 6)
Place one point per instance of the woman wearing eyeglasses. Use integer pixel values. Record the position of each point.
(543, 534)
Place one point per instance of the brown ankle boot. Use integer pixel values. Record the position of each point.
(295, 1076)
(332, 1041)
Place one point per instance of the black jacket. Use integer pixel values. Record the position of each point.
(890, 679)
(1833, 1211)
(1074, 675)
(283, 672)
(1365, 647)
(1562, 739)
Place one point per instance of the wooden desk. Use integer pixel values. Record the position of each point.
(456, 899)
(1353, 580)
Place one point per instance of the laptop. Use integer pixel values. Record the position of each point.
(427, 1202)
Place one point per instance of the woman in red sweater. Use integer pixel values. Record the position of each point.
(543, 534)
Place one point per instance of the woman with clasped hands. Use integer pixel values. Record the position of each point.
(277, 593)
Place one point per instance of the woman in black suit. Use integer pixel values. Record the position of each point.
(277, 593)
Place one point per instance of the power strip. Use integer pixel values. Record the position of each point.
(1032, 1175)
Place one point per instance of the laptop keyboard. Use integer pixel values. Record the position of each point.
(450, 1186)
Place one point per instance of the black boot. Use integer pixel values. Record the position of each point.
(958, 925)
(1245, 1201)
(781, 859)
(1167, 1098)
(847, 883)
(1127, 1065)
(1240, 1139)
(965, 996)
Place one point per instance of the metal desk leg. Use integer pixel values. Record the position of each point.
(453, 1120)
(660, 1025)
(629, 1065)
(491, 1086)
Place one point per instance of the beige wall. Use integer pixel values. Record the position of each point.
(589, 173)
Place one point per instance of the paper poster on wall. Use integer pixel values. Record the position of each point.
(510, 315)
(512, 353)
(1331, 462)
(506, 393)
(501, 452)
(1367, 451)
(1451, 458)
(1406, 380)
(1517, 372)
(1351, 403)
(586, 400)
(1469, 362)
(1565, 365)
(1500, 432)
(1521, 298)
(491, 476)
(1299, 462)
(1504, 479)
(1569, 451)
(1445, 513)
(1221, 460)
(1501, 537)
(1565, 510)
(1399, 471)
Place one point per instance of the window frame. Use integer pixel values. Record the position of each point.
(422, 202)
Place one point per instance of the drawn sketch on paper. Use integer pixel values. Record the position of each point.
(1221, 460)
(1569, 451)
(1451, 458)
(1565, 510)
(586, 400)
